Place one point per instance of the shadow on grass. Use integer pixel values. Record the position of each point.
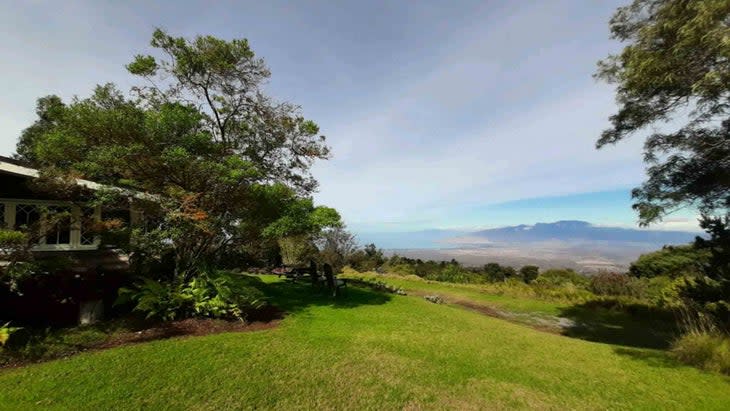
(612, 322)
(651, 358)
(293, 297)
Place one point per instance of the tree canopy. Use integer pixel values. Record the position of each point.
(222, 159)
(223, 80)
(676, 66)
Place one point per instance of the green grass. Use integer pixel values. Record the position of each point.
(367, 350)
(601, 320)
(484, 293)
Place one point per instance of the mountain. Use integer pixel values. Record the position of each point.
(574, 231)
(574, 244)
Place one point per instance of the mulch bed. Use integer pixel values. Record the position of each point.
(262, 320)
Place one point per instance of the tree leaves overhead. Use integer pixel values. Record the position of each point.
(223, 79)
(676, 64)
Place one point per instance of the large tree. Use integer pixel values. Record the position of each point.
(674, 69)
(223, 80)
(202, 138)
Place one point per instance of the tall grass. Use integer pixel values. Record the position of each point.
(702, 344)
(709, 351)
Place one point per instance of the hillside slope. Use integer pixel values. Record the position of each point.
(367, 351)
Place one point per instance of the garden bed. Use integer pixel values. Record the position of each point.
(45, 345)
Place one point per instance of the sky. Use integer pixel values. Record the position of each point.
(461, 114)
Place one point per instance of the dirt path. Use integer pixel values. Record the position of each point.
(538, 321)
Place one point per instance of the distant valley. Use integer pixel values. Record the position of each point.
(576, 244)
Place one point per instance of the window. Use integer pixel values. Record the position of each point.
(27, 216)
(88, 221)
(61, 226)
(58, 225)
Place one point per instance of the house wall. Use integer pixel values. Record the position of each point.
(92, 274)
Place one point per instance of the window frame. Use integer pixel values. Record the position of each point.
(75, 226)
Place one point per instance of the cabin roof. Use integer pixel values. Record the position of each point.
(19, 168)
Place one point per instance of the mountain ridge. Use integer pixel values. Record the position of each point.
(577, 230)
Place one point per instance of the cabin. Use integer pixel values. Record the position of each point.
(92, 270)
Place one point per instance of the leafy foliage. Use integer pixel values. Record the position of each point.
(15, 251)
(529, 273)
(671, 261)
(710, 293)
(224, 79)
(561, 277)
(297, 250)
(5, 331)
(615, 284)
(496, 272)
(217, 294)
(368, 258)
(676, 64)
(335, 245)
(704, 350)
(454, 273)
(301, 217)
(219, 160)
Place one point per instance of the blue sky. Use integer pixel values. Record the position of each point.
(440, 114)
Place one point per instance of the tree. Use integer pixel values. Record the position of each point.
(335, 246)
(672, 261)
(202, 139)
(676, 66)
(49, 110)
(370, 258)
(710, 293)
(493, 271)
(529, 273)
(300, 228)
(223, 81)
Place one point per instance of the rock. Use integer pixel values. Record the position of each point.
(434, 299)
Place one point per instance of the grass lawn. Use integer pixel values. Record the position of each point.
(367, 350)
(592, 321)
(470, 292)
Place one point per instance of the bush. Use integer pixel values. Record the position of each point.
(708, 351)
(496, 272)
(5, 331)
(709, 296)
(218, 294)
(366, 259)
(561, 277)
(454, 273)
(529, 273)
(617, 284)
(670, 261)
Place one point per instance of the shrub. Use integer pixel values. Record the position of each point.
(496, 272)
(297, 250)
(561, 277)
(402, 269)
(454, 273)
(366, 259)
(218, 294)
(671, 261)
(617, 284)
(709, 351)
(5, 331)
(529, 273)
(710, 296)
